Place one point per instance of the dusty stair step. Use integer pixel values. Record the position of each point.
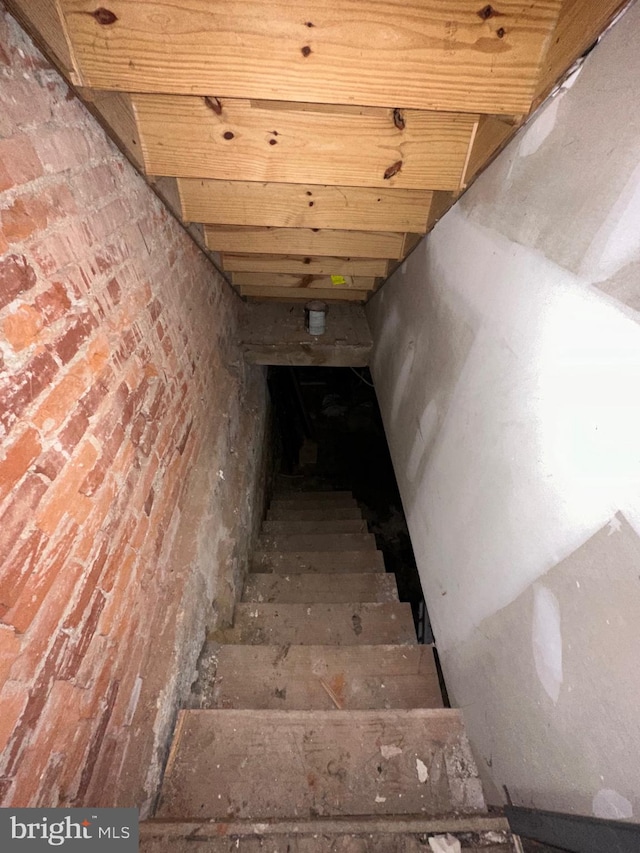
(317, 561)
(320, 624)
(477, 834)
(317, 542)
(287, 527)
(255, 765)
(292, 678)
(312, 495)
(300, 514)
(324, 588)
(320, 503)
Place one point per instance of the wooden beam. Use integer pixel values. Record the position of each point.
(337, 283)
(44, 21)
(455, 55)
(303, 241)
(492, 135)
(410, 242)
(440, 204)
(273, 334)
(304, 205)
(243, 140)
(116, 111)
(579, 24)
(302, 294)
(304, 265)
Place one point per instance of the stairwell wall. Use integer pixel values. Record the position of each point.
(132, 453)
(507, 367)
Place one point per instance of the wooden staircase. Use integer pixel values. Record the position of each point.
(318, 722)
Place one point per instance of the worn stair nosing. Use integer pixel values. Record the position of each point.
(401, 825)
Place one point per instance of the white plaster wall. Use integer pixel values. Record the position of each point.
(507, 367)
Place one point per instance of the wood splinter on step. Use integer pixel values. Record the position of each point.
(339, 705)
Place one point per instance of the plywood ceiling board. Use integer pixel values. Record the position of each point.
(238, 139)
(453, 55)
(304, 264)
(304, 241)
(304, 205)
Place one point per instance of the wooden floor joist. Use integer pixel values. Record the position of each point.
(448, 56)
(305, 265)
(302, 143)
(304, 205)
(304, 241)
(333, 283)
(312, 135)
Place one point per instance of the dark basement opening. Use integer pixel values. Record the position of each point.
(331, 437)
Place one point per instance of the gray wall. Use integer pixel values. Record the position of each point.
(507, 366)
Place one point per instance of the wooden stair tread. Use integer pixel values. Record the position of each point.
(317, 542)
(317, 708)
(302, 764)
(311, 496)
(316, 503)
(320, 624)
(317, 561)
(322, 514)
(286, 527)
(324, 677)
(324, 588)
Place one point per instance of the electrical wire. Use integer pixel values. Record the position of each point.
(366, 381)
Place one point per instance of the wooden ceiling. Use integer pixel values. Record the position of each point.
(315, 142)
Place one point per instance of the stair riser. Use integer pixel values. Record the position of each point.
(317, 561)
(295, 504)
(311, 497)
(318, 542)
(344, 512)
(320, 588)
(320, 624)
(287, 528)
(304, 678)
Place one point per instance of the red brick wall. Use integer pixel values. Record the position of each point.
(131, 439)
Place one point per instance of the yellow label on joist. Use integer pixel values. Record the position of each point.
(338, 279)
